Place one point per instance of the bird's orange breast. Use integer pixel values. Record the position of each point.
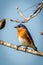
(23, 34)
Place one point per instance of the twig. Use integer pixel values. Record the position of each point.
(20, 13)
(30, 7)
(13, 46)
(39, 8)
(26, 19)
(41, 33)
(12, 20)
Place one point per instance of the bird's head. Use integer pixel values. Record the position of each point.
(20, 27)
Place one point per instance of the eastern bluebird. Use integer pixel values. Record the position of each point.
(25, 37)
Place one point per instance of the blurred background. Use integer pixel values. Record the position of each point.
(9, 56)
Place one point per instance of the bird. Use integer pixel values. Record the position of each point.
(25, 37)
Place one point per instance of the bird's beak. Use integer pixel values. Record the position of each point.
(15, 27)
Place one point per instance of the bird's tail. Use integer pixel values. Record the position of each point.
(35, 48)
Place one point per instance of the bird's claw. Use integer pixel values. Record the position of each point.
(26, 49)
(18, 47)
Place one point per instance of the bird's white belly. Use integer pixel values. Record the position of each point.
(23, 42)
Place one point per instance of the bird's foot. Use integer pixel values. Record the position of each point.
(18, 46)
(26, 49)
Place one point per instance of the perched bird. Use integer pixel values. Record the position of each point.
(25, 37)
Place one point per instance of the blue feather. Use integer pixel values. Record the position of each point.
(21, 25)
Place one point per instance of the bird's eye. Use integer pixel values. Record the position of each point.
(19, 26)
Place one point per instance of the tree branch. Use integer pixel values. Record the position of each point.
(17, 21)
(13, 46)
(3, 22)
(26, 19)
(41, 33)
(35, 13)
(20, 13)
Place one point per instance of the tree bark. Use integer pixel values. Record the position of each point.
(13, 46)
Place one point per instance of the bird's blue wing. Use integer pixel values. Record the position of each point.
(30, 36)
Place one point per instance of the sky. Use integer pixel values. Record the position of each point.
(9, 56)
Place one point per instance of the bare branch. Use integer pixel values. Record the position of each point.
(20, 13)
(26, 19)
(30, 7)
(17, 21)
(13, 46)
(39, 8)
(41, 33)
(3, 22)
